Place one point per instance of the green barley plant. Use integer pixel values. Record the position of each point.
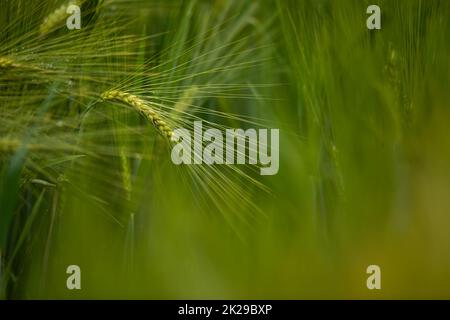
(62, 80)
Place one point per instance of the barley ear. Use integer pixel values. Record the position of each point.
(142, 107)
(6, 63)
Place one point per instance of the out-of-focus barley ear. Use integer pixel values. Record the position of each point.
(126, 174)
(56, 19)
(11, 145)
(186, 100)
(142, 107)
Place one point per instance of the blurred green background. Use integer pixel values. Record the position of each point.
(364, 173)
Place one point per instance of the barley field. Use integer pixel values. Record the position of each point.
(88, 124)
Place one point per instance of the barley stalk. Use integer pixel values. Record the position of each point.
(8, 63)
(142, 108)
(8, 145)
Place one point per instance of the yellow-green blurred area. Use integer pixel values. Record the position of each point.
(364, 174)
